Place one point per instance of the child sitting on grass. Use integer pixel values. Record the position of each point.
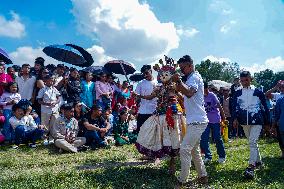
(121, 134)
(24, 126)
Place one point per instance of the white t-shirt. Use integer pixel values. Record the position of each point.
(194, 106)
(49, 95)
(26, 87)
(144, 88)
(25, 121)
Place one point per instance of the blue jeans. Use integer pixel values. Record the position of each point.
(93, 139)
(204, 143)
(7, 128)
(22, 135)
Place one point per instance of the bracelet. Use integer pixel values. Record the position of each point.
(178, 81)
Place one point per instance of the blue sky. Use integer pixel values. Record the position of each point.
(248, 32)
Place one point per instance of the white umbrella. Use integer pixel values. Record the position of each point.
(219, 83)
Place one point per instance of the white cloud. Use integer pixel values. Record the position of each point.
(99, 56)
(219, 6)
(125, 29)
(27, 55)
(216, 59)
(227, 27)
(275, 64)
(12, 28)
(187, 32)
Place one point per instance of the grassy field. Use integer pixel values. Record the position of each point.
(119, 167)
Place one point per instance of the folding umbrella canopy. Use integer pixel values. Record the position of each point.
(96, 69)
(66, 54)
(5, 57)
(136, 77)
(87, 56)
(120, 67)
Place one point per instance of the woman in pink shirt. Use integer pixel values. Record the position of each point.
(4, 78)
(103, 91)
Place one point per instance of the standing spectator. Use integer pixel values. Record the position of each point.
(196, 119)
(12, 73)
(25, 128)
(250, 110)
(39, 85)
(214, 114)
(88, 90)
(279, 119)
(26, 83)
(48, 97)
(39, 65)
(273, 94)
(7, 100)
(95, 128)
(145, 88)
(235, 86)
(65, 131)
(103, 91)
(227, 107)
(4, 78)
(73, 86)
(125, 92)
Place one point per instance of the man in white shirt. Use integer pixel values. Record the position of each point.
(196, 119)
(26, 83)
(145, 88)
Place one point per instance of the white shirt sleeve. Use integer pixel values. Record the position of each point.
(192, 82)
(138, 88)
(40, 93)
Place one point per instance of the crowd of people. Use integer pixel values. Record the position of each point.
(77, 110)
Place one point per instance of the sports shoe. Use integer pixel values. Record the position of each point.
(259, 165)
(206, 160)
(15, 146)
(32, 145)
(221, 160)
(45, 142)
(249, 173)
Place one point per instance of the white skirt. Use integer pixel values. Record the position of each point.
(157, 139)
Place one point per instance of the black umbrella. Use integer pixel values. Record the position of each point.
(120, 67)
(66, 54)
(96, 70)
(136, 77)
(87, 56)
(5, 57)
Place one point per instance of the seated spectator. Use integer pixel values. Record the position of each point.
(79, 115)
(2, 137)
(107, 115)
(121, 134)
(65, 129)
(7, 100)
(25, 128)
(96, 128)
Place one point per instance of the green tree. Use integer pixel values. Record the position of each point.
(265, 78)
(218, 71)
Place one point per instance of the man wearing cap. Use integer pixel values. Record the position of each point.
(196, 119)
(143, 89)
(251, 112)
(65, 130)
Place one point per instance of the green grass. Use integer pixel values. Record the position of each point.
(119, 167)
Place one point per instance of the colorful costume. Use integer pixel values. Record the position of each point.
(162, 133)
